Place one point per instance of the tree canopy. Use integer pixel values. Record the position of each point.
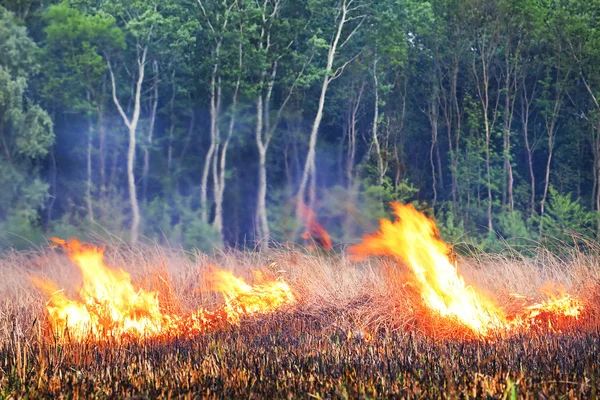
(210, 123)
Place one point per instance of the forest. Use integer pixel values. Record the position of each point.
(210, 123)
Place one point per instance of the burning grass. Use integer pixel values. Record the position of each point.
(404, 322)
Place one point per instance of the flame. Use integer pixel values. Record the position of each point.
(413, 239)
(559, 302)
(108, 304)
(314, 230)
(243, 299)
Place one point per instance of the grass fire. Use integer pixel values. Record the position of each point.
(393, 316)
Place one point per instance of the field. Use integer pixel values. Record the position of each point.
(355, 329)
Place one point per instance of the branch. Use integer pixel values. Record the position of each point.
(589, 89)
(114, 95)
(362, 19)
(206, 16)
(340, 69)
(287, 98)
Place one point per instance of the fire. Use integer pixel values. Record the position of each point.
(243, 299)
(413, 239)
(314, 230)
(109, 305)
(559, 303)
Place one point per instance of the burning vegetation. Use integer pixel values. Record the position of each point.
(413, 240)
(108, 305)
(396, 318)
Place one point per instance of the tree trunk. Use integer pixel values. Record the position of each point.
(433, 119)
(353, 183)
(214, 112)
(380, 168)
(510, 87)
(171, 125)
(309, 172)
(88, 186)
(102, 148)
(220, 188)
(135, 222)
(526, 102)
(455, 150)
(487, 48)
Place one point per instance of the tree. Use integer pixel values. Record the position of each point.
(142, 24)
(74, 77)
(26, 131)
(278, 49)
(349, 12)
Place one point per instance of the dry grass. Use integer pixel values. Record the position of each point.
(306, 350)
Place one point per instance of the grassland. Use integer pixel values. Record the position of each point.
(357, 331)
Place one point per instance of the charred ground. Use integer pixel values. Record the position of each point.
(300, 356)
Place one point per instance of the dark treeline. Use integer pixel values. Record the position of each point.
(201, 122)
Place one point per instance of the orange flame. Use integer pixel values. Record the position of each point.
(109, 305)
(243, 299)
(314, 230)
(414, 240)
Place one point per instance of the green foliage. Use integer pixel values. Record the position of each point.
(451, 228)
(566, 220)
(175, 221)
(430, 63)
(20, 201)
(26, 134)
(512, 227)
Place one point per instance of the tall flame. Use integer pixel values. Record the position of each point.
(109, 305)
(413, 239)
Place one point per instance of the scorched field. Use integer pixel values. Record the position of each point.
(397, 315)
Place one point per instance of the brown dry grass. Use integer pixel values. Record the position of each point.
(369, 295)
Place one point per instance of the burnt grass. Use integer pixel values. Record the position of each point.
(301, 356)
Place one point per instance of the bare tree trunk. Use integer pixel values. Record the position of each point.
(214, 113)
(526, 102)
(262, 144)
(215, 158)
(351, 154)
(399, 140)
(220, 186)
(132, 127)
(510, 87)
(261, 207)
(102, 146)
(149, 137)
(265, 124)
(171, 125)
(448, 108)
(433, 120)
(380, 168)
(88, 186)
(455, 154)
(432, 112)
(352, 184)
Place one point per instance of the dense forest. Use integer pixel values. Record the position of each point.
(215, 122)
